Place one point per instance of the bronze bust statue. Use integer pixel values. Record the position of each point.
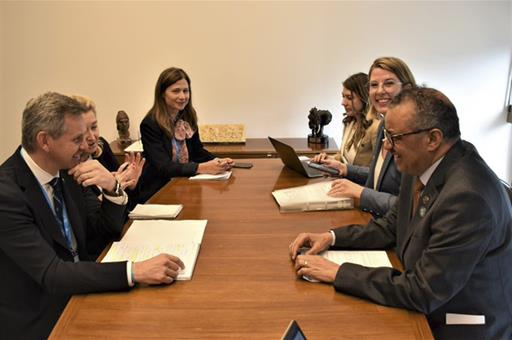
(123, 129)
(317, 120)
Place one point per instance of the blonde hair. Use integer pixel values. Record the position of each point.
(85, 101)
(398, 68)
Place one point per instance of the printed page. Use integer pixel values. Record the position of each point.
(165, 231)
(367, 258)
(126, 251)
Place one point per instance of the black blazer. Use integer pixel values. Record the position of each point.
(38, 273)
(107, 158)
(159, 167)
(456, 251)
(377, 202)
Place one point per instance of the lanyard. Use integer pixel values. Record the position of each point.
(66, 228)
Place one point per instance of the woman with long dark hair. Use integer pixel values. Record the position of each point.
(170, 136)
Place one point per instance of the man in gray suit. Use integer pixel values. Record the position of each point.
(451, 229)
(48, 218)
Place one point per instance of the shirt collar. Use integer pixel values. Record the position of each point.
(425, 177)
(41, 175)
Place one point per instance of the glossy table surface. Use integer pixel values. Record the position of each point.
(244, 285)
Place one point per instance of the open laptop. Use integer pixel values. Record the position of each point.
(291, 160)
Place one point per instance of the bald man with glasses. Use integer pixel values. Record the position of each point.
(451, 229)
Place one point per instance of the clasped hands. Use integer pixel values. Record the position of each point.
(215, 166)
(310, 264)
(92, 172)
(340, 187)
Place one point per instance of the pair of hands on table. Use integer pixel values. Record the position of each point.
(215, 166)
(311, 265)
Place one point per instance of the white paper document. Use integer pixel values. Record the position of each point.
(125, 251)
(367, 258)
(152, 211)
(207, 177)
(310, 197)
(165, 231)
(135, 147)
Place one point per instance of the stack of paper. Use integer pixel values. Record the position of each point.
(220, 177)
(135, 147)
(155, 211)
(310, 197)
(148, 238)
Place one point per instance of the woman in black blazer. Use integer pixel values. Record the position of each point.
(170, 136)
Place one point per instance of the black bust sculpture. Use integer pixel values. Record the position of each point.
(317, 120)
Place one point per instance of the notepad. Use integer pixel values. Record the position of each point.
(310, 197)
(155, 211)
(207, 177)
(147, 238)
(187, 252)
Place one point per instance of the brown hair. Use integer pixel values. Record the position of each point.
(159, 110)
(358, 85)
(47, 113)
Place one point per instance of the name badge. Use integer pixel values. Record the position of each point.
(464, 319)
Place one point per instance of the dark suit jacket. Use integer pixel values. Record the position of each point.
(159, 167)
(456, 251)
(107, 158)
(38, 273)
(377, 202)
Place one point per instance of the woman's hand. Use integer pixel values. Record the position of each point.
(129, 172)
(215, 166)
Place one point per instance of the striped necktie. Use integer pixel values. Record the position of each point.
(418, 188)
(58, 207)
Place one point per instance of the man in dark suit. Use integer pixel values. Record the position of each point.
(451, 229)
(48, 216)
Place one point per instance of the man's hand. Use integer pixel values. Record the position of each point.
(161, 269)
(316, 267)
(345, 188)
(91, 172)
(316, 243)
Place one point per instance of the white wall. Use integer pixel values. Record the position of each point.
(264, 64)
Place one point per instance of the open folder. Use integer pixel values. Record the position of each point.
(148, 238)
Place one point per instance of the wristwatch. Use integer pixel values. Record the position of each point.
(117, 190)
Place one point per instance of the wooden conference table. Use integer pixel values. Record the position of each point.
(244, 284)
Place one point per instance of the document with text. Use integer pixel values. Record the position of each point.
(187, 252)
(147, 238)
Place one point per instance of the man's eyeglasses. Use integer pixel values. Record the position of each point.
(387, 85)
(397, 136)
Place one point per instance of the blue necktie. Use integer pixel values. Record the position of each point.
(58, 206)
